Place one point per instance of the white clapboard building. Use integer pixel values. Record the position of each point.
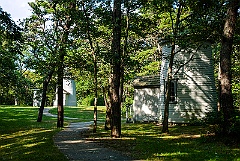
(193, 91)
(69, 93)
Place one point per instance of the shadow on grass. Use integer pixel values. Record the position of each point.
(145, 141)
(23, 138)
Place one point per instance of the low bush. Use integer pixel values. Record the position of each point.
(89, 101)
(217, 119)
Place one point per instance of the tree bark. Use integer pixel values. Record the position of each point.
(114, 79)
(44, 93)
(64, 40)
(168, 90)
(226, 99)
(108, 109)
(95, 50)
(169, 73)
(95, 94)
(60, 110)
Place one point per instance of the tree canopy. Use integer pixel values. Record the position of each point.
(103, 45)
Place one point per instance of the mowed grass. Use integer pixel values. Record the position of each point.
(82, 113)
(144, 141)
(23, 138)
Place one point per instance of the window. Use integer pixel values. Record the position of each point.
(173, 91)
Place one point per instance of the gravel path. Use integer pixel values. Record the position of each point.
(76, 148)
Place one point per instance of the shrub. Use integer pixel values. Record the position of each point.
(127, 104)
(89, 101)
(217, 119)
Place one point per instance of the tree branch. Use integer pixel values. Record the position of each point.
(190, 59)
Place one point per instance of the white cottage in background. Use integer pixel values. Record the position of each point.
(193, 92)
(146, 98)
(36, 98)
(69, 93)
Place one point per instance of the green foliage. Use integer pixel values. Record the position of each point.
(235, 128)
(13, 85)
(235, 76)
(217, 120)
(92, 24)
(89, 101)
(147, 61)
(127, 104)
(100, 102)
(86, 101)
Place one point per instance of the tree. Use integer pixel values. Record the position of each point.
(64, 24)
(114, 79)
(46, 81)
(92, 43)
(226, 99)
(171, 31)
(52, 25)
(94, 50)
(10, 51)
(40, 48)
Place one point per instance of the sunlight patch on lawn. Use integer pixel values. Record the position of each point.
(14, 107)
(33, 144)
(180, 136)
(22, 138)
(23, 133)
(7, 145)
(170, 154)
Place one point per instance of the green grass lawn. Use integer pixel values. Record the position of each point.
(82, 113)
(22, 138)
(144, 141)
(183, 143)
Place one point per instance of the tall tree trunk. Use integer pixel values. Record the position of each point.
(124, 54)
(169, 73)
(168, 90)
(114, 80)
(64, 41)
(95, 94)
(44, 93)
(226, 102)
(95, 50)
(60, 109)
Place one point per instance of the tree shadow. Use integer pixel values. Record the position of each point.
(146, 142)
(23, 138)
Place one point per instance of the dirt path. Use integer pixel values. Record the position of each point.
(76, 148)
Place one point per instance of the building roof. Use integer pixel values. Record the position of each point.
(151, 81)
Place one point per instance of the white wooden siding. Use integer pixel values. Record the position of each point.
(196, 93)
(145, 105)
(69, 93)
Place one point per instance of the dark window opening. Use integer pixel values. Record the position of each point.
(173, 91)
